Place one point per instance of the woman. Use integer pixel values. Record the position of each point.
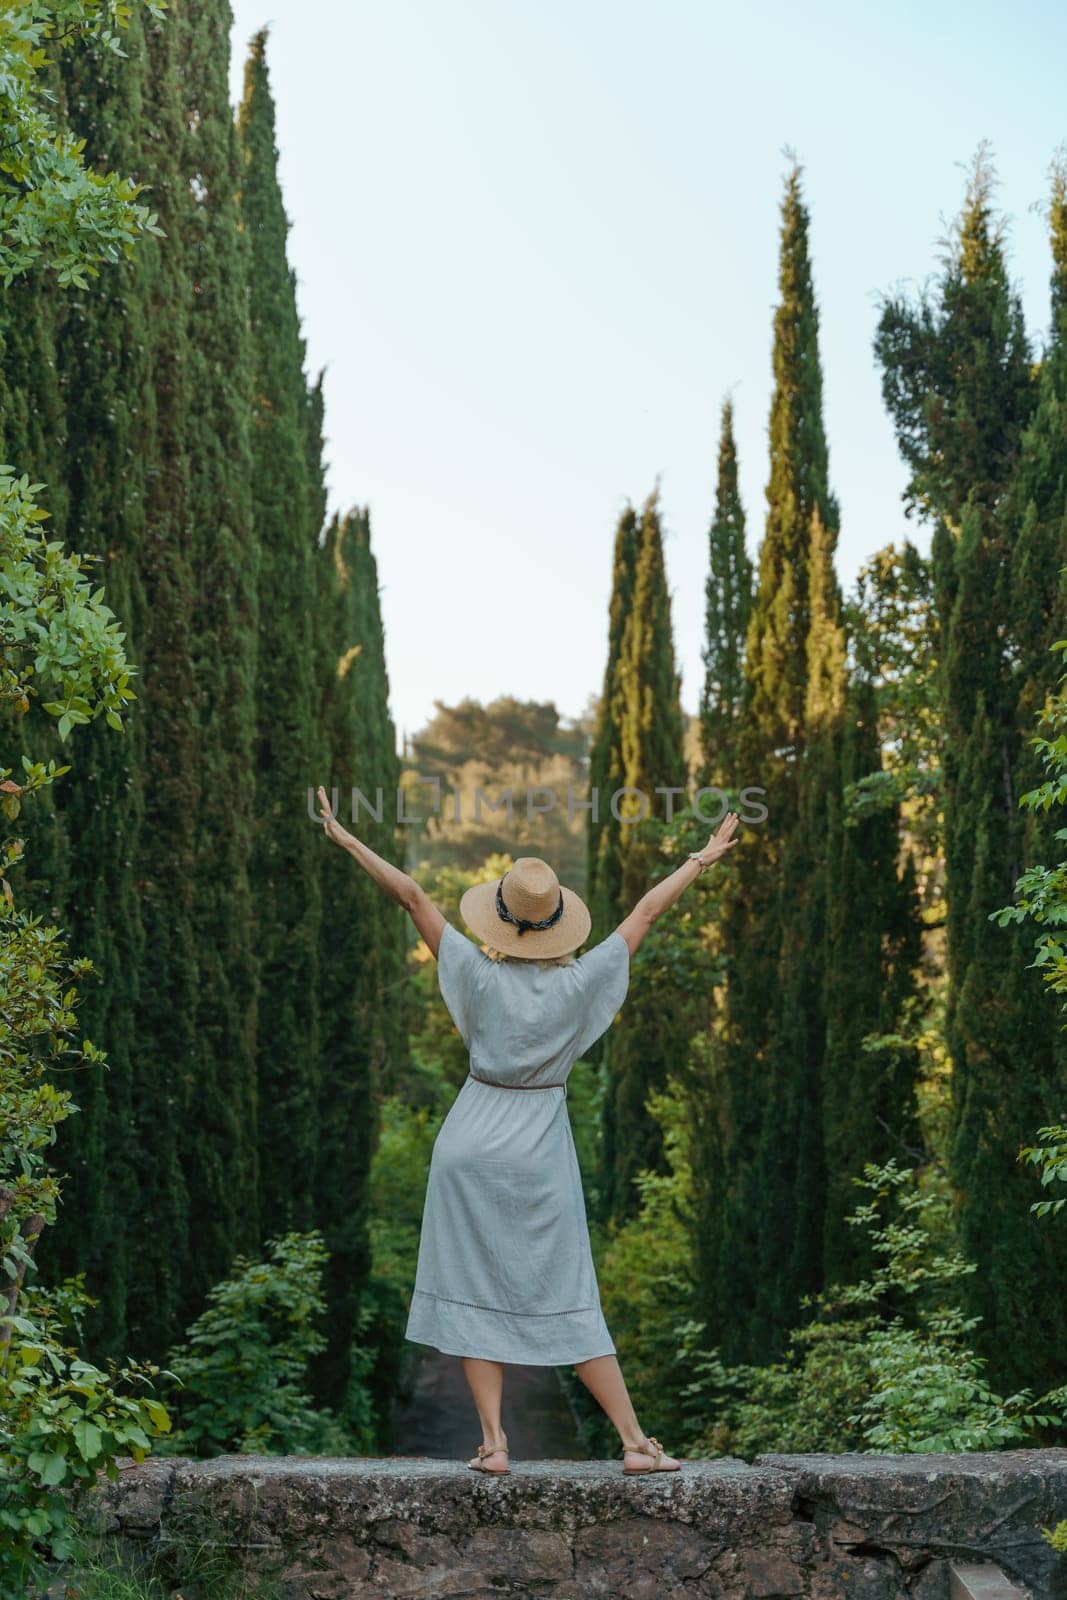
(505, 1272)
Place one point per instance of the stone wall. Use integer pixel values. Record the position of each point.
(862, 1527)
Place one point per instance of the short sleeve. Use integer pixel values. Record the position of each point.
(606, 980)
(458, 964)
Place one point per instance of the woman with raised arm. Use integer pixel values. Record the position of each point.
(505, 1272)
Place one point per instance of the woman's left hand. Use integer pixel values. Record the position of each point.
(722, 839)
(333, 828)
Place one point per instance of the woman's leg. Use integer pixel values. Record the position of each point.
(603, 1378)
(486, 1380)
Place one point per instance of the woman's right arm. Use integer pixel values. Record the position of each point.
(662, 895)
(398, 885)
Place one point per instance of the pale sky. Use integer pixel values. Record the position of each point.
(536, 244)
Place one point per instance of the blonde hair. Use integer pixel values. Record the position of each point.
(537, 961)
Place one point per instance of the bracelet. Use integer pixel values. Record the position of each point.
(694, 855)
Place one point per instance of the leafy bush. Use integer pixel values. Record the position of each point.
(55, 211)
(243, 1365)
(62, 1420)
(884, 1364)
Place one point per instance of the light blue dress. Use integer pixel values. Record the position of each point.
(505, 1271)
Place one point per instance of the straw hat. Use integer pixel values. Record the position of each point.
(526, 913)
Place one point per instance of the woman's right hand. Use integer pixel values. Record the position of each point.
(332, 827)
(722, 839)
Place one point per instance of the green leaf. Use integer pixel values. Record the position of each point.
(54, 1469)
(88, 1438)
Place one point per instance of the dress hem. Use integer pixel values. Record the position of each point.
(514, 1361)
(505, 1311)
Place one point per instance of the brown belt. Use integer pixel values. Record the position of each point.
(495, 1083)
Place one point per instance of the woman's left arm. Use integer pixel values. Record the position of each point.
(398, 885)
(662, 895)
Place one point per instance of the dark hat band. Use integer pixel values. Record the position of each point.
(523, 924)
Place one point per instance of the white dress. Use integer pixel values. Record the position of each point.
(505, 1271)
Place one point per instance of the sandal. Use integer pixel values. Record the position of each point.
(660, 1461)
(484, 1452)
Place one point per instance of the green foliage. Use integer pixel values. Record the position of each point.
(817, 923)
(646, 1270)
(986, 471)
(727, 605)
(668, 1004)
(104, 375)
(1041, 898)
(798, 490)
(397, 1189)
(958, 380)
(230, 1189)
(1041, 892)
(646, 711)
(364, 1010)
(56, 212)
(55, 629)
(1051, 1161)
(62, 1419)
(603, 879)
(285, 856)
(37, 1034)
(884, 1363)
(893, 629)
(243, 1365)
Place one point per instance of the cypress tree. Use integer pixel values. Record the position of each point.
(1035, 512)
(791, 1159)
(649, 689)
(872, 949)
(120, 357)
(960, 386)
(604, 866)
(362, 939)
(797, 489)
(221, 1164)
(727, 606)
(172, 382)
(642, 1048)
(761, 1213)
(287, 511)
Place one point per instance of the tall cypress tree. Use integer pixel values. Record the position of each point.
(791, 1158)
(286, 506)
(153, 403)
(960, 386)
(761, 1216)
(362, 938)
(872, 949)
(121, 361)
(1035, 511)
(642, 1048)
(220, 1101)
(649, 689)
(728, 602)
(797, 489)
(603, 833)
